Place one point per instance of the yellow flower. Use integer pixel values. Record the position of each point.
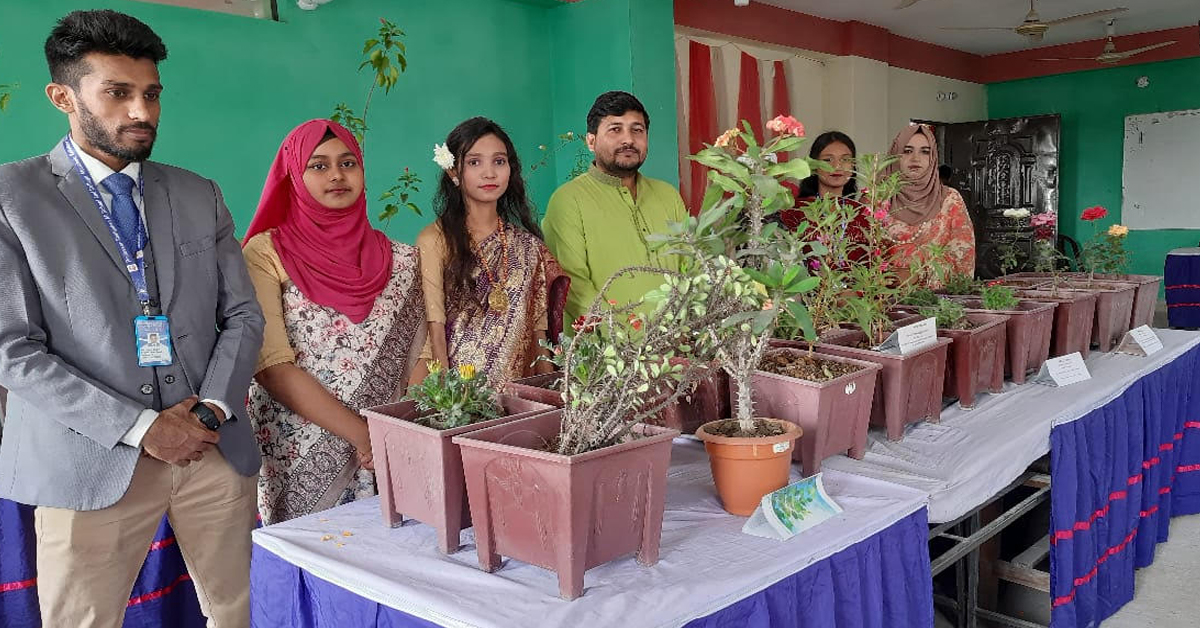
(467, 371)
(434, 367)
(1118, 231)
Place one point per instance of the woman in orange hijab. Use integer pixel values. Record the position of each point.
(927, 212)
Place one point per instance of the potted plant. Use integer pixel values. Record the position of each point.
(909, 388)
(750, 455)
(1075, 311)
(1104, 254)
(828, 396)
(585, 484)
(1029, 326)
(417, 466)
(976, 359)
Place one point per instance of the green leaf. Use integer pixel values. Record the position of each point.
(802, 319)
(727, 184)
(794, 169)
(370, 43)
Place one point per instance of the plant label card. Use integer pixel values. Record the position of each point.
(1141, 341)
(792, 510)
(1064, 371)
(917, 336)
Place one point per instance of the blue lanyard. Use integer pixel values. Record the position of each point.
(131, 253)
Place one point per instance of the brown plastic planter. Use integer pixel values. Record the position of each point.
(745, 469)
(834, 415)
(1114, 310)
(1074, 319)
(419, 470)
(909, 389)
(1029, 329)
(564, 513)
(709, 402)
(1144, 301)
(539, 388)
(976, 359)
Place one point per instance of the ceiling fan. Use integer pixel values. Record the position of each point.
(1033, 28)
(1110, 54)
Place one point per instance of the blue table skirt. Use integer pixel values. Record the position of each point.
(163, 594)
(882, 582)
(1119, 474)
(1182, 279)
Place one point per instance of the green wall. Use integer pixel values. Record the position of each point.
(235, 86)
(1093, 106)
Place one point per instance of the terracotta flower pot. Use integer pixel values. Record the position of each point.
(833, 415)
(1074, 319)
(539, 388)
(419, 469)
(976, 359)
(1028, 334)
(745, 469)
(564, 513)
(909, 390)
(1143, 302)
(1114, 310)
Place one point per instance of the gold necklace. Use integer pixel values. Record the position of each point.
(497, 298)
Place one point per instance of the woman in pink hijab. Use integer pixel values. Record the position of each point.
(926, 213)
(345, 316)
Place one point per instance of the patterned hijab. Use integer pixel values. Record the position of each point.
(922, 197)
(334, 256)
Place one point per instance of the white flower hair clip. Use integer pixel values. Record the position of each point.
(444, 159)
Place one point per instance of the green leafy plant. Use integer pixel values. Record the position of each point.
(451, 398)
(949, 314)
(569, 140)
(826, 222)
(997, 296)
(920, 296)
(875, 284)
(1105, 251)
(755, 270)
(962, 284)
(1011, 257)
(386, 55)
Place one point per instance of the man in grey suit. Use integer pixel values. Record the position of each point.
(107, 431)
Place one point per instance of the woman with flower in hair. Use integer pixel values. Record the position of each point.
(927, 215)
(343, 328)
(491, 285)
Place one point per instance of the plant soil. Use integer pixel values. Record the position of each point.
(732, 428)
(806, 367)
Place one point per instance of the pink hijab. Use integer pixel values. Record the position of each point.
(334, 256)
(922, 198)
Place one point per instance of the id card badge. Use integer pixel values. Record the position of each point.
(153, 336)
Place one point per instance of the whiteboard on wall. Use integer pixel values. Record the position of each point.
(1162, 171)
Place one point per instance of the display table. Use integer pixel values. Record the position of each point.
(971, 455)
(867, 567)
(1125, 457)
(1181, 276)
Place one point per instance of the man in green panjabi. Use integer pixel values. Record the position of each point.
(599, 222)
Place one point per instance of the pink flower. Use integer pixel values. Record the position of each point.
(1094, 213)
(786, 125)
(884, 266)
(814, 264)
(1043, 220)
(881, 213)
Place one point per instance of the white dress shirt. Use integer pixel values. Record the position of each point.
(99, 172)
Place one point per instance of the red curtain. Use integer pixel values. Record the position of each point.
(702, 118)
(750, 95)
(780, 101)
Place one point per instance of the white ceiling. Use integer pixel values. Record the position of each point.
(923, 20)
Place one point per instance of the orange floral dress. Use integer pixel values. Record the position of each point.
(950, 228)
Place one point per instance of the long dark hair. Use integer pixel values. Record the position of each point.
(514, 206)
(810, 186)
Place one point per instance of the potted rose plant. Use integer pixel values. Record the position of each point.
(1104, 253)
(418, 467)
(1075, 311)
(1029, 326)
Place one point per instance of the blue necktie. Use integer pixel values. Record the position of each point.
(125, 212)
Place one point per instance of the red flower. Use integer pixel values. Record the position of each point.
(582, 325)
(636, 322)
(1094, 213)
(995, 283)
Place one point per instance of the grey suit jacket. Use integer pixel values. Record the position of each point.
(67, 354)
